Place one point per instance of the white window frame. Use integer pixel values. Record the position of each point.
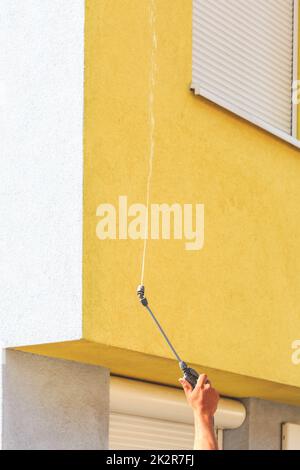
(292, 139)
(290, 436)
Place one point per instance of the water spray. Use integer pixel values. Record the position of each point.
(188, 373)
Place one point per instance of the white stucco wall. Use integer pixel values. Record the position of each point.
(41, 102)
(41, 160)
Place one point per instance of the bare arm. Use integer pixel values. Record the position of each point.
(204, 401)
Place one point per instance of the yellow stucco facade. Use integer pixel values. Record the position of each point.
(232, 308)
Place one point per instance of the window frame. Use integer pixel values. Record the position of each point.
(294, 137)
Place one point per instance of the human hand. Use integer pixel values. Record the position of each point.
(203, 398)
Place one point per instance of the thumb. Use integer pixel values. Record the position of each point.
(186, 387)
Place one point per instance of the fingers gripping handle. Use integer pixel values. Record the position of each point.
(189, 374)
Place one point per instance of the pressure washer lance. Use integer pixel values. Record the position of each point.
(188, 373)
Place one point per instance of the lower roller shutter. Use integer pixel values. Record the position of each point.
(135, 432)
(153, 417)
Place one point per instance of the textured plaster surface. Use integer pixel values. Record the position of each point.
(233, 306)
(41, 98)
(54, 404)
(262, 427)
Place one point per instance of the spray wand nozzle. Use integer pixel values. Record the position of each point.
(189, 374)
(141, 294)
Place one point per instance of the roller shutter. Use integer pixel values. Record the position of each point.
(151, 417)
(243, 58)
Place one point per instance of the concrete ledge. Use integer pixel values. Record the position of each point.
(133, 364)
